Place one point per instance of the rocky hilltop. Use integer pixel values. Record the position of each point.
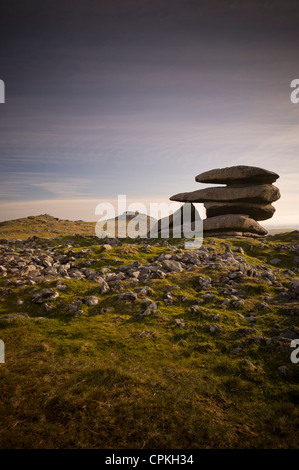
(197, 342)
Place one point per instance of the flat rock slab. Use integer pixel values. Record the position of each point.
(234, 175)
(233, 222)
(262, 193)
(254, 210)
(228, 234)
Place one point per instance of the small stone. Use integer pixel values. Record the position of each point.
(238, 303)
(251, 319)
(104, 288)
(91, 300)
(179, 322)
(168, 298)
(248, 364)
(237, 351)
(275, 261)
(144, 290)
(292, 332)
(128, 296)
(214, 328)
(61, 286)
(282, 370)
(14, 316)
(149, 333)
(172, 266)
(195, 309)
(48, 308)
(74, 306)
(106, 310)
(44, 295)
(106, 247)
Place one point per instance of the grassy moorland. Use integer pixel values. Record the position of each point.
(198, 368)
(44, 226)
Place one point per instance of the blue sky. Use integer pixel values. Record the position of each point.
(137, 98)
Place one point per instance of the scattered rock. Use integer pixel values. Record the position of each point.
(172, 266)
(248, 364)
(149, 333)
(291, 332)
(179, 322)
(282, 370)
(91, 300)
(214, 328)
(128, 296)
(275, 261)
(216, 317)
(14, 316)
(104, 287)
(168, 298)
(237, 351)
(45, 295)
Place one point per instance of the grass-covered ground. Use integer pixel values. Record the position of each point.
(44, 226)
(114, 380)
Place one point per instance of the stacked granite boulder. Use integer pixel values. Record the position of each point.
(234, 209)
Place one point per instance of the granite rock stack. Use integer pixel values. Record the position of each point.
(234, 209)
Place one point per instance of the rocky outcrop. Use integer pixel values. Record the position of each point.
(233, 210)
(187, 214)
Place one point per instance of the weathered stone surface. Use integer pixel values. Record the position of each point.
(254, 210)
(14, 316)
(230, 222)
(128, 296)
(291, 332)
(262, 193)
(44, 295)
(91, 300)
(235, 175)
(230, 234)
(172, 266)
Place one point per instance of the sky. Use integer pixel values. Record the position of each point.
(137, 97)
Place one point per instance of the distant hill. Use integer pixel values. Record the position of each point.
(44, 226)
(47, 226)
(144, 223)
(275, 231)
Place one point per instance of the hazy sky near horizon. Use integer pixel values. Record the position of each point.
(137, 97)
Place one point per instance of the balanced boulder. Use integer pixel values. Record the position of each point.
(233, 222)
(254, 210)
(233, 210)
(262, 193)
(234, 175)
